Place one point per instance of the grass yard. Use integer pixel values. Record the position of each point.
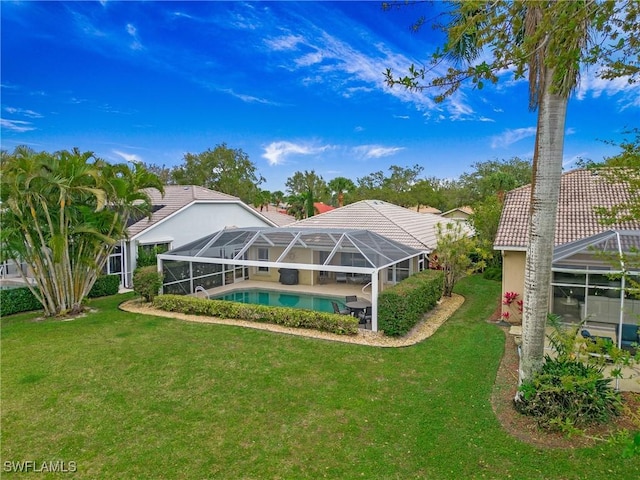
(132, 396)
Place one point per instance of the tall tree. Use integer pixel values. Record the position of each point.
(495, 177)
(550, 41)
(62, 214)
(300, 183)
(453, 253)
(339, 186)
(222, 169)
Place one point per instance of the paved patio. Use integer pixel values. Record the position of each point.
(327, 289)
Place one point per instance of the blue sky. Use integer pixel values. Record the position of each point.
(295, 85)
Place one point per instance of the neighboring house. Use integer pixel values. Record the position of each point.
(580, 273)
(185, 213)
(279, 217)
(459, 213)
(416, 230)
(428, 209)
(322, 207)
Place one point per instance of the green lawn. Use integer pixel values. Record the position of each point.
(132, 396)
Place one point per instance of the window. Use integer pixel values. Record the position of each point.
(352, 260)
(155, 247)
(263, 256)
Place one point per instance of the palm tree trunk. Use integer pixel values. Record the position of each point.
(545, 191)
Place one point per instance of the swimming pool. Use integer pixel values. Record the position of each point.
(274, 298)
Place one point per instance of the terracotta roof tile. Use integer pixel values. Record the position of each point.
(581, 191)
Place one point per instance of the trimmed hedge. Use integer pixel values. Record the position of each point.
(402, 306)
(104, 286)
(288, 317)
(17, 300)
(147, 282)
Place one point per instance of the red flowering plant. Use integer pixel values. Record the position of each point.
(512, 310)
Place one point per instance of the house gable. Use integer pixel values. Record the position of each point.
(581, 192)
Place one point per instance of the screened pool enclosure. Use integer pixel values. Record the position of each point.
(290, 256)
(596, 279)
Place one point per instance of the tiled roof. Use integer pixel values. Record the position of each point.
(581, 191)
(417, 230)
(466, 210)
(279, 218)
(323, 207)
(175, 198)
(427, 209)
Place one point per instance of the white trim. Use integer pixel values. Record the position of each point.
(156, 241)
(204, 202)
(510, 249)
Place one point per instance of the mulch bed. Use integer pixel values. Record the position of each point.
(525, 428)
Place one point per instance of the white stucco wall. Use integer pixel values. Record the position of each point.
(191, 223)
(198, 220)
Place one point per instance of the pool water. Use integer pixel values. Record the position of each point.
(273, 298)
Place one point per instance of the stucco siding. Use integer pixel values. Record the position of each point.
(198, 220)
(513, 264)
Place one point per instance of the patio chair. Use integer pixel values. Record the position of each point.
(336, 309)
(630, 337)
(365, 316)
(341, 277)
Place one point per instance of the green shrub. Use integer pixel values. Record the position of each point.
(402, 306)
(147, 282)
(17, 300)
(568, 393)
(492, 273)
(104, 286)
(288, 317)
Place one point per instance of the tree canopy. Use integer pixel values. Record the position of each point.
(222, 169)
(62, 214)
(549, 42)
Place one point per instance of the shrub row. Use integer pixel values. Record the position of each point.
(288, 317)
(105, 286)
(17, 300)
(402, 306)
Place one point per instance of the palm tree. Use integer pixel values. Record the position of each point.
(62, 214)
(549, 40)
(339, 186)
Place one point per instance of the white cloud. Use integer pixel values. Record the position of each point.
(276, 153)
(23, 112)
(592, 85)
(248, 98)
(309, 59)
(133, 32)
(458, 109)
(568, 162)
(129, 157)
(510, 137)
(376, 151)
(16, 125)
(287, 42)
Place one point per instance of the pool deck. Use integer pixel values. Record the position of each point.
(327, 289)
